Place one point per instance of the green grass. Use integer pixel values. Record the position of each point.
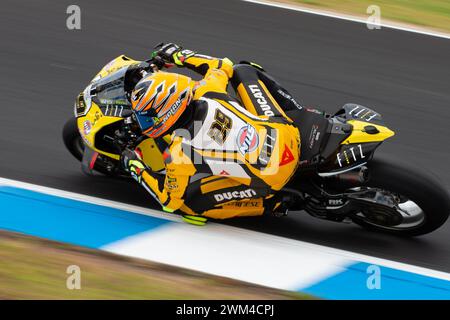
(433, 14)
(32, 268)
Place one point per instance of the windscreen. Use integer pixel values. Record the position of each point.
(110, 94)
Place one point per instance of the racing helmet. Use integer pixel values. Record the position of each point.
(159, 99)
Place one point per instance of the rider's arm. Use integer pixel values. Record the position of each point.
(216, 72)
(170, 189)
(202, 64)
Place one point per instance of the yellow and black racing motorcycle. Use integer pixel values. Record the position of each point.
(338, 177)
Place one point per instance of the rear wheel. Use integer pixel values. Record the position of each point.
(402, 200)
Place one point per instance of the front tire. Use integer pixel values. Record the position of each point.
(72, 138)
(74, 143)
(413, 184)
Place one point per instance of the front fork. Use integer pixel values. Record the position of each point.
(88, 162)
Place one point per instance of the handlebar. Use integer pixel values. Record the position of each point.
(157, 62)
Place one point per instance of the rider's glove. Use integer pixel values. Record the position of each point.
(172, 52)
(166, 51)
(195, 220)
(132, 163)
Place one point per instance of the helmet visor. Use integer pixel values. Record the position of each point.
(146, 119)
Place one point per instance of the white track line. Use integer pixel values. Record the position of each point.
(90, 199)
(276, 241)
(228, 252)
(347, 18)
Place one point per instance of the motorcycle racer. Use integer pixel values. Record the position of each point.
(224, 159)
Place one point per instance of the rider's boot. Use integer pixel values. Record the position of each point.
(278, 206)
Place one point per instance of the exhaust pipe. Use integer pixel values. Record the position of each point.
(356, 177)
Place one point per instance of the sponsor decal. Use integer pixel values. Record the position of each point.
(111, 110)
(171, 183)
(287, 156)
(173, 109)
(244, 204)
(335, 202)
(249, 193)
(350, 155)
(87, 127)
(267, 148)
(314, 111)
(247, 139)
(224, 173)
(363, 113)
(290, 98)
(80, 106)
(314, 135)
(97, 117)
(220, 127)
(186, 54)
(261, 100)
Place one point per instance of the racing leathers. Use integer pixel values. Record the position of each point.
(229, 159)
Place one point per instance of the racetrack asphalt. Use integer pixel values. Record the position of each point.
(324, 62)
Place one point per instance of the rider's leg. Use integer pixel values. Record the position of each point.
(256, 90)
(222, 198)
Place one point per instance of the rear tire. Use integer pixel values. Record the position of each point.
(412, 183)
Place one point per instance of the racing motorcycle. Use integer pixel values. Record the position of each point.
(338, 177)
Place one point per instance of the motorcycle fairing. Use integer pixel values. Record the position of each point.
(365, 131)
(90, 124)
(114, 65)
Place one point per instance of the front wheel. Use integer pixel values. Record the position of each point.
(414, 203)
(74, 143)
